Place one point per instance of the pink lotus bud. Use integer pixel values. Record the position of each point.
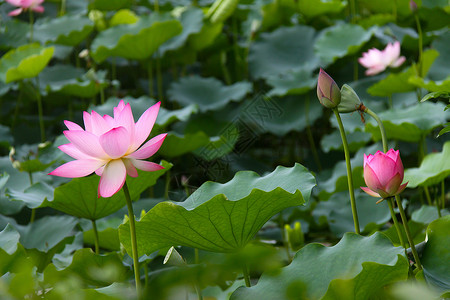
(328, 91)
(383, 174)
(413, 5)
(377, 61)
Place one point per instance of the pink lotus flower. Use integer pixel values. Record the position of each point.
(111, 147)
(383, 174)
(377, 61)
(24, 5)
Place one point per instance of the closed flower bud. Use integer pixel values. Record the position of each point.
(349, 100)
(383, 174)
(413, 5)
(328, 91)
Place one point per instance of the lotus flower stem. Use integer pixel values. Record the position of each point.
(246, 276)
(30, 13)
(349, 171)
(443, 193)
(419, 31)
(310, 136)
(40, 111)
(408, 234)
(133, 239)
(159, 83)
(150, 78)
(397, 226)
(96, 240)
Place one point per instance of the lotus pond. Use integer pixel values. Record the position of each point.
(254, 149)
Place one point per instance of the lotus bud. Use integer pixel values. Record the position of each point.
(413, 6)
(350, 101)
(328, 91)
(294, 236)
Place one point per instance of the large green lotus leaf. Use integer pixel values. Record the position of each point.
(285, 49)
(47, 232)
(439, 68)
(79, 197)
(67, 30)
(221, 217)
(192, 21)
(109, 4)
(135, 41)
(280, 116)
(400, 82)
(427, 214)
(318, 271)
(292, 83)
(24, 62)
(340, 40)
(9, 239)
(34, 195)
(69, 80)
(436, 255)
(206, 36)
(13, 33)
(91, 268)
(207, 93)
(387, 6)
(338, 213)
(409, 124)
(434, 168)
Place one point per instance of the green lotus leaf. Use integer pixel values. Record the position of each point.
(434, 168)
(386, 6)
(9, 239)
(432, 86)
(177, 144)
(135, 41)
(221, 217)
(69, 80)
(123, 16)
(427, 214)
(12, 253)
(355, 140)
(206, 36)
(69, 30)
(91, 268)
(436, 257)
(280, 116)
(283, 50)
(34, 195)
(207, 93)
(24, 62)
(291, 83)
(344, 271)
(434, 95)
(312, 8)
(14, 33)
(409, 124)
(79, 197)
(192, 21)
(340, 40)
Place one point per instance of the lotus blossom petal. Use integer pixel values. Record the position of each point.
(24, 5)
(145, 124)
(146, 165)
(107, 146)
(383, 174)
(86, 142)
(112, 179)
(149, 148)
(15, 12)
(115, 142)
(77, 168)
(15, 2)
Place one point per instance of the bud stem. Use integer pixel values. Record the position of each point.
(349, 171)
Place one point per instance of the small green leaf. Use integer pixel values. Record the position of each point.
(436, 257)
(409, 124)
(221, 217)
(9, 238)
(434, 95)
(67, 30)
(318, 271)
(24, 62)
(79, 197)
(340, 40)
(135, 41)
(430, 85)
(123, 16)
(434, 168)
(207, 93)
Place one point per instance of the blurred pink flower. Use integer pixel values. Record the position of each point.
(383, 174)
(377, 61)
(111, 147)
(24, 5)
